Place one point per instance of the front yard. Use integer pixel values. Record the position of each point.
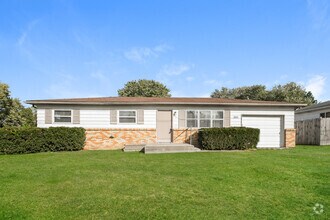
(277, 184)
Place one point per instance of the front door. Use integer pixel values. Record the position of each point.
(164, 126)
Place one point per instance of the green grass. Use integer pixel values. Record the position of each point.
(273, 184)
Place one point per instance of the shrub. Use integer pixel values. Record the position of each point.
(234, 138)
(32, 140)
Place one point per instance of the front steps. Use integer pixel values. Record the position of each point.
(134, 147)
(161, 148)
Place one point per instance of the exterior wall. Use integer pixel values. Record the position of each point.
(290, 137)
(287, 113)
(183, 136)
(111, 139)
(311, 114)
(98, 118)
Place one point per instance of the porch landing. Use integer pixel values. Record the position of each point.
(161, 148)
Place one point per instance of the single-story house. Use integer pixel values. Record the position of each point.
(313, 124)
(112, 122)
(321, 110)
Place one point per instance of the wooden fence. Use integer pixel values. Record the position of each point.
(313, 132)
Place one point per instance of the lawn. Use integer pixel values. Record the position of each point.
(274, 184)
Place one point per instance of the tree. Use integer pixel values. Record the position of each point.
(293, 93)
(255, 92)
(5, 102)
(290, 92)
(12, 112)
(144, 88)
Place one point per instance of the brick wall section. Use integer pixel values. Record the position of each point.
(111, 139)
(290, 137)
(183, 136)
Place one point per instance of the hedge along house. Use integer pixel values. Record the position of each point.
(113, 122)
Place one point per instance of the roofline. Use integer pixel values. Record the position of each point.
(307, 109)
(34, 102)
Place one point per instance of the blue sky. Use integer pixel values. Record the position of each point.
(60, 49)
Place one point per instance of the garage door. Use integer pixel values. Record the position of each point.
(270, 129)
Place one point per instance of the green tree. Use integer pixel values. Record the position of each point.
(12, 112)
(5, 102)
(144, 88)
(255, 92)
(290, 92)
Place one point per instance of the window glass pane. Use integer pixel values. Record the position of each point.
(126, 113)
(192, 123)
(62, 119)
(217, 123)
(205, 114)
(322, 115)
(218, 114)
(62, 113)
(126, 120)
(205, 123)
(191, 114)
(327, 115)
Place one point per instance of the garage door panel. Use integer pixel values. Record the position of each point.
(270, 129)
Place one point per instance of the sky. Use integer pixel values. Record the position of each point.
(79, 48)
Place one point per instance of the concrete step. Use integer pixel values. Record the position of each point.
(134, 147)
(169, 148)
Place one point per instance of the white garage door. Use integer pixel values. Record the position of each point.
(270, 129)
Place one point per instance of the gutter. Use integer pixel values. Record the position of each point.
(162, 103)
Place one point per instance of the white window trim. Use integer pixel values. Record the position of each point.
(198, 117)
(56, 122)
(126, 110)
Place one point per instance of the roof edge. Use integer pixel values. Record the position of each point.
(34, 102)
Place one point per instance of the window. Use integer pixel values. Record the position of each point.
(192, 119)
(325, 115)
(62, 116)
(217, 119)
(127, 117)
(204, 119)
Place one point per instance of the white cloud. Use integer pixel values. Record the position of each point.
(319, 12)
(178, 94)
(212, 82)
(223, 73)
(190, 78)
(22, 38)
(175, 69)
(162, 48)
(65, 87)
(316, 85)
(99, 76)
(141, 54)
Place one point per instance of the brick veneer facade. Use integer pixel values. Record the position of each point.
(290, 137)
(183, 136)
(111, 139)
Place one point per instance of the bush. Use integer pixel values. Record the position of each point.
(234, 138)
(32, 140)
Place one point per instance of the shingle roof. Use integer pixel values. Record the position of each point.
(159, 101)
(321, 105)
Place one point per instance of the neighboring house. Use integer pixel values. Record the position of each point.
(321, 110)
(313, 124)
(112, 122)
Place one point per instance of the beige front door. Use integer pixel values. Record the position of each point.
(164, 126)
